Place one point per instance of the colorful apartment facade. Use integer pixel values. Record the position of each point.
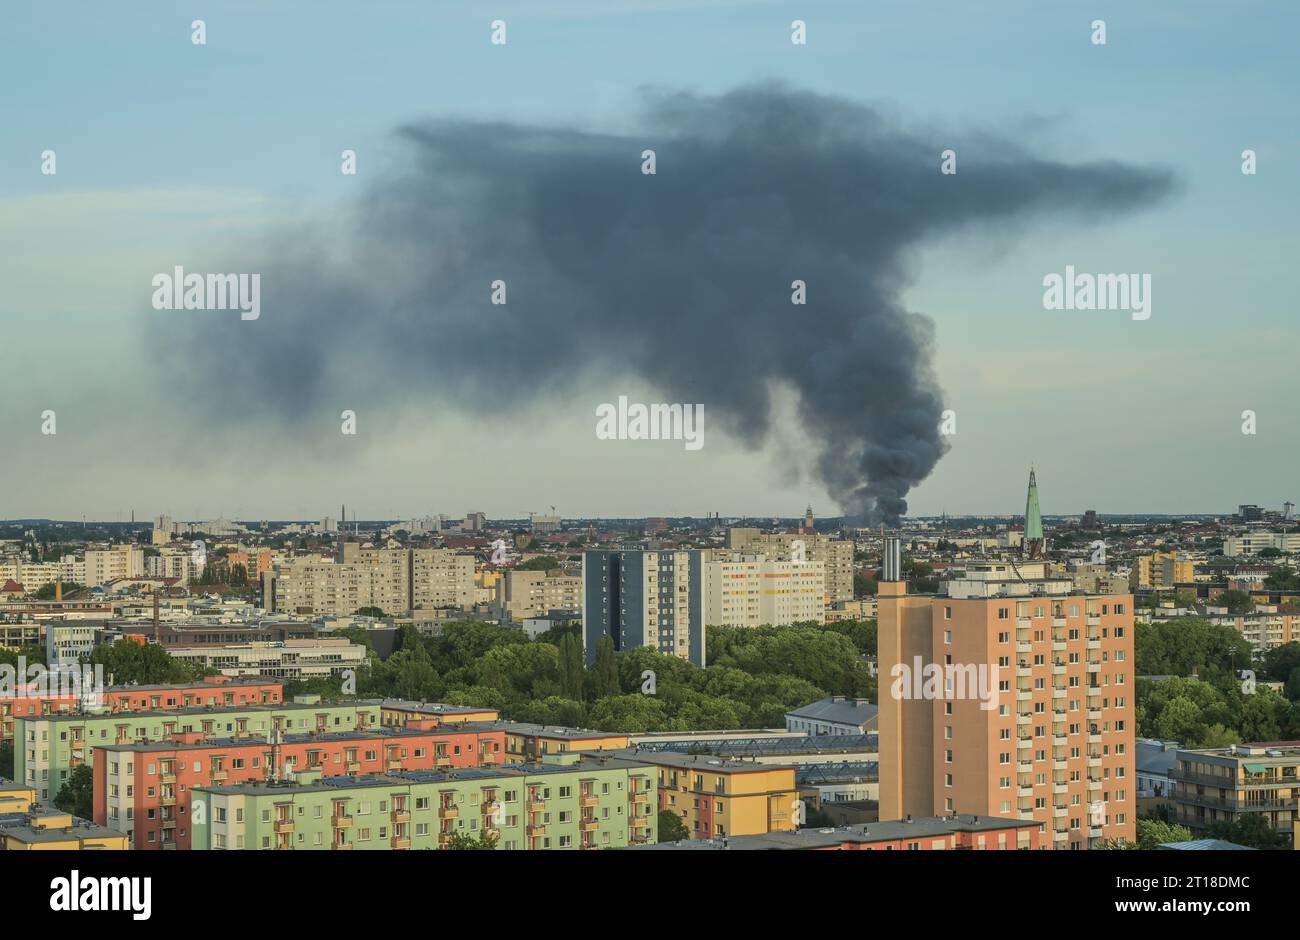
(47, 749)
(1052, 741)
(213, 692)
(718, 798)
(565, 801)
(145, 789)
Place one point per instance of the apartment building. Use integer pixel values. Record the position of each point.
(718, 798)
(836, 555)
(1008, 694)
(525, 594)
(563, 802)
(144, 789)
(48, 748)
(644, 598)
(1222, 784)
(933, 833)
(441, 577)
(753, 590)
(1250, 543)
(1267, 627)
(14, 636)
(531, 742)
(211, 692)
(171, 563)
(117, 561)
(399, 713)
(44, 828)
(291, 660)
(396, 580)
(1161, 571)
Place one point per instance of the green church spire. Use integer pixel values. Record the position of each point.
(1033, 515)
(1032, 546)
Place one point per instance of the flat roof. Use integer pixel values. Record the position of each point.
(208, 744)
(891, 831)
(333, 784)
(198, 710)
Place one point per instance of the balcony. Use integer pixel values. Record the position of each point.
(1025, 791)
(1094, 761)
(1060, 788)
(588, 825)
(1060, 812)
(401, 842)
(342, 822)
(1025, 743)
(1060, 740)
(1094, 667)
(448, 811)
(167, 778)
(1024, 647)
(1026, 766)
(1024, 696)
(1094, 644)
(639, 822)
(341, 846)
(535, 831)
(1060, 835)
(442, 761)
(1058, 622)
(1024, 719)
(1023, 672)
(401, 816)
(536, 806)
(1058, 646)
(1094, 714)
(220, 776)
(1095, 832)
(588, 799)
(639, 796)
(1094, 737)
(169, 823)
(283, 826)
(393, 765)
(352, 767)
(1058, 669)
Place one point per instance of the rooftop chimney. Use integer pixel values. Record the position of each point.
(892, 563)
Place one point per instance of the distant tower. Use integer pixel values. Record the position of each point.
(808, 520)
(1032, 546)
(1288, 510)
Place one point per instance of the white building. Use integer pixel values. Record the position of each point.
(754, 590)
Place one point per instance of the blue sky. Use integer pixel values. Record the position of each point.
(165, 148)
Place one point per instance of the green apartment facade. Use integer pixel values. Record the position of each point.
(564, 801)
(48, 748)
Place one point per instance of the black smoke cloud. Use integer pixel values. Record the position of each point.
(680, 280)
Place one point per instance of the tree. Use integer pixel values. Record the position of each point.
(604, 672)
(46, 591)
(77, 795)
(376, 612)
(540, 563)
(463, 841)
(671, 827)
(7, 760)
(1237, 602)
(132, 663)
(1249, 829)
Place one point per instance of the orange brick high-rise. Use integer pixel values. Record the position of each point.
(1054, 742)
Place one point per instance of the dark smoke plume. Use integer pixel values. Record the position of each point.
(681, 280)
